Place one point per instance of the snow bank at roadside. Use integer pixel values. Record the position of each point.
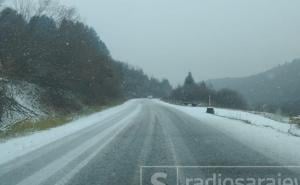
(247, 117)
(259, 120)
(13, 148)
(280, 146)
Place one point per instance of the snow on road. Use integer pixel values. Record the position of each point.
(266, 136)
(104, 138)
(14, 148)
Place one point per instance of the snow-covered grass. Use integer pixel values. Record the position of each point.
(13, 148)
(27, 95)
(259, 120)
(273, 116)
(254, 118)
(29, 126)
(263, 135)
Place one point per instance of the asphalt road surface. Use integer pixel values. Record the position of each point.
(129, 148)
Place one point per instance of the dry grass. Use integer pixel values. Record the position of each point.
(29, 126)
(295, 120)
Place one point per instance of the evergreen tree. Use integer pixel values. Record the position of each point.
(192, 92)
(189, 80)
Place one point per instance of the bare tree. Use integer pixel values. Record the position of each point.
(57, 11)
(43, 7)
(68, 13)
(29, 8)
(51, 8)
(26, 8)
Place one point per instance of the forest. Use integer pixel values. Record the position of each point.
(46, 44)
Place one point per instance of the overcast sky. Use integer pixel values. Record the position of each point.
(210, 38)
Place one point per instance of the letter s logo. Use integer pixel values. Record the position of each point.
(155, 178)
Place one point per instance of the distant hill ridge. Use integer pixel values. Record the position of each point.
(279, 85)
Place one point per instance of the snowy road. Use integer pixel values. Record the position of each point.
(145, 133)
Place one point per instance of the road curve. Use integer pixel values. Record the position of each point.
(145, 134)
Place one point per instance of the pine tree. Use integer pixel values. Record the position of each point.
(189, 80)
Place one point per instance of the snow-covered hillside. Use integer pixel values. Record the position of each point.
(23, 102)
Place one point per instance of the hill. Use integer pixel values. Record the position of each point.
(61, 64)
(279, 86)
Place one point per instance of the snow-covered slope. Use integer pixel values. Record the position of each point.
(26, 96)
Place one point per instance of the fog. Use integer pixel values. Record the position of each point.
(210, 38)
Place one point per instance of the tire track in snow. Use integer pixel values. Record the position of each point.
(58, 144)
(49, 170)
(32, 162)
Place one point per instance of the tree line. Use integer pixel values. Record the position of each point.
(46, 44)
(199, 93)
